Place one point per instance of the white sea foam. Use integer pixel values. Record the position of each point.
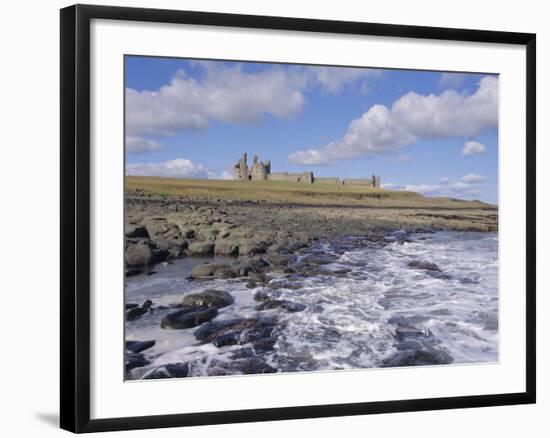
(354, 320)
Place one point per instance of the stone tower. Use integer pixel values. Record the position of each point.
(240, 171)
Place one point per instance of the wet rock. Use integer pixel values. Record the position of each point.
(418, 358)
(132, 272)
(266, 295)
(247, 365)
(169, 371)
(407, 327)
(135, 360)
(143, 253)
(261, 332)
(280, 261)
(252, 265)
(138, 346)
(318, 259)
(161, 229)
(400, 236)
(208, 298)
(287, 306)
(188, 317)
(137, 312)
(200, 248)
(426, 266)
(135, 230)
(225, 273)
(226, 247)
(252, 246)
(207, 269)
(253, 365)
(319, 271)
(292, 283)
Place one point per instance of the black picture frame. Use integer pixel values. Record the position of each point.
(75, 217)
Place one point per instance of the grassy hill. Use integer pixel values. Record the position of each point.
(279, 192)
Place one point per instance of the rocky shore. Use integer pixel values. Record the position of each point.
(271, 248)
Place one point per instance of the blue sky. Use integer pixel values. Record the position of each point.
(431, 132)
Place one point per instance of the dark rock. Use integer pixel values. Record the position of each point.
(138, 346)
(426, 266)
(137, 312)
(255, 265)
(135, 230)
(208, 298)
(225, 273)
(318, 259)
(252, 246)
(132, 272)
(280, 261)
(266, 295)
(261, 332)
(287, 306)
(416, 358)
(135, 360)
(169, 371)
(188, 317)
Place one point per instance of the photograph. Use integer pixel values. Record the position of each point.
(282, 218)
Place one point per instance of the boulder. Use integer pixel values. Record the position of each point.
(261, 332)
(252, 246)
(200, 248)
(169, 371)
(135, 230)
(426, 266)
(135, 360)
(138, 346)
(416, 358)
(287, 306)
(208, 298)
(227, 273)
(143, 253)
(226, 247)
(188, 317)
(207, 269)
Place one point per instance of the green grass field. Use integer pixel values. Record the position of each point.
(290, 193)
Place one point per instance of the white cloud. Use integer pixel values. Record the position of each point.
(230, 94)
(140, 144)
(473, 148)
(226, 94)
(411, 117)
(472, 178)
(178, 168)
(466, 187)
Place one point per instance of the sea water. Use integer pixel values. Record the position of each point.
(352, 320)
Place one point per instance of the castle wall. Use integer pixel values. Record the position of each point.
(328, 180)
(261, 171)
(358, 182)
(304, 177)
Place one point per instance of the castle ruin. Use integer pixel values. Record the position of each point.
(261, 171)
